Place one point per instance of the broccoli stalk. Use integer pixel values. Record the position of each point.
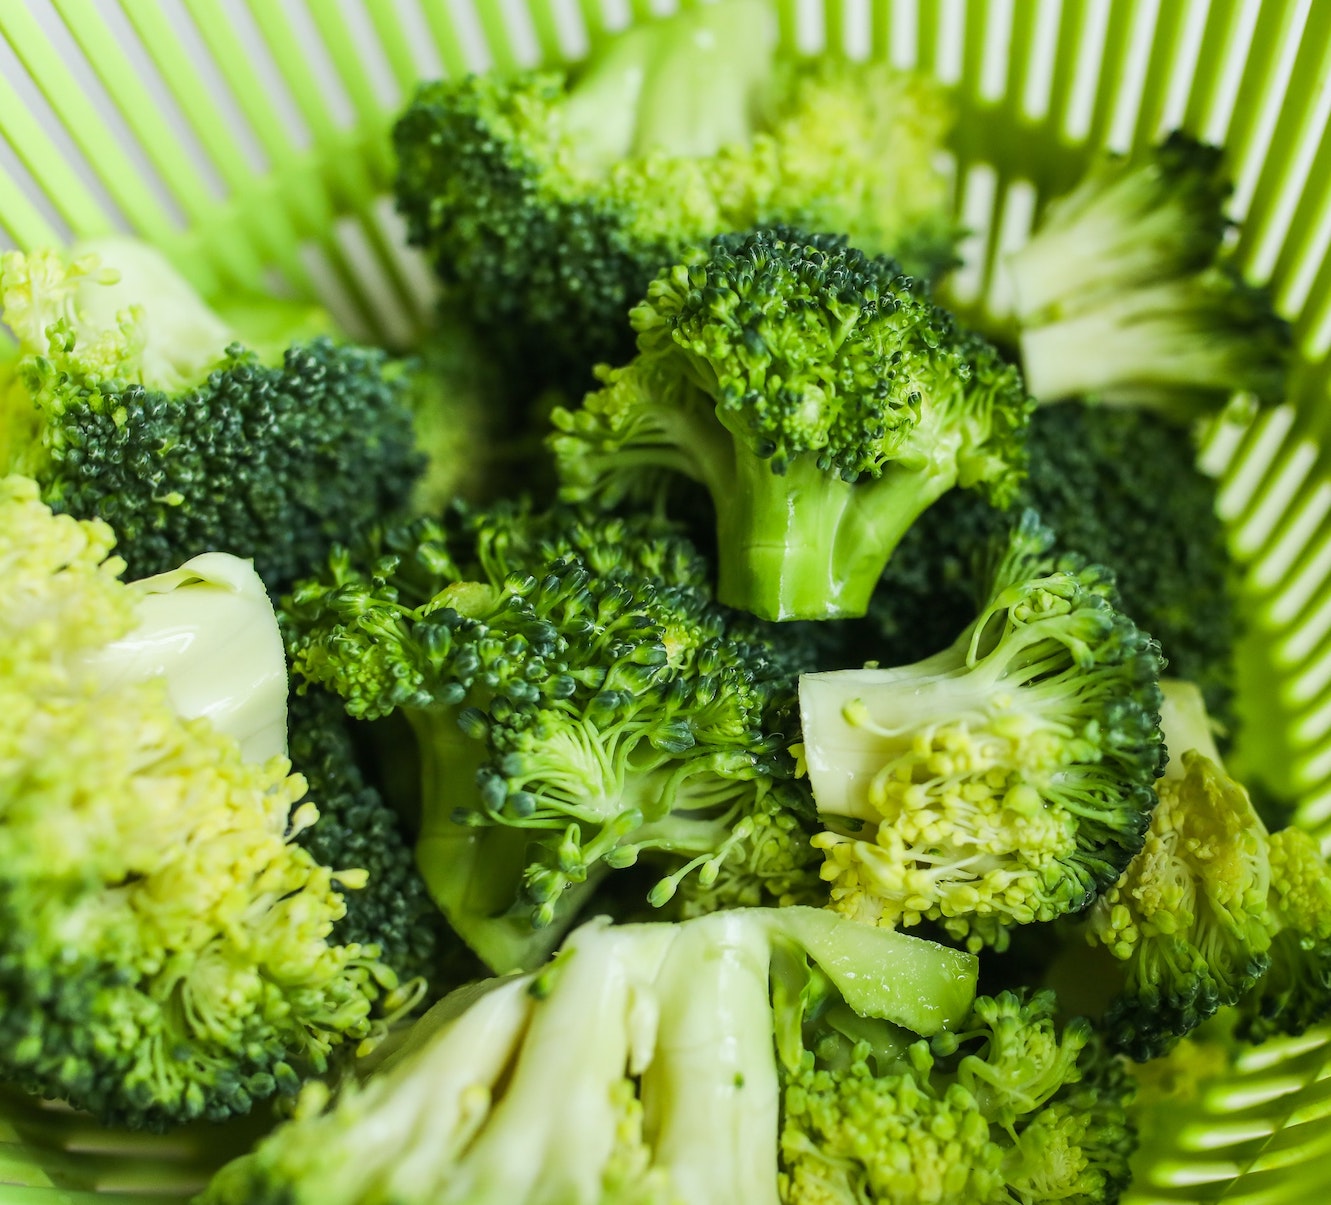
(1005, 780)
(662, 1041)
(164, 942)
(820, 401)
(1124, 295)
(133, 401)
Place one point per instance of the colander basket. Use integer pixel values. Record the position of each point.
(249, 139)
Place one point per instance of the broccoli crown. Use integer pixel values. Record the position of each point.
(586, 717)
(1117, 486)
(229, 453)
(1125, 295)
(1188, 917)
(1295, 992)
(818, 397)
(358, 829)
(164, 942)
(547, 202)
(1005, 780)
(662, 1039)
(1004, 1107)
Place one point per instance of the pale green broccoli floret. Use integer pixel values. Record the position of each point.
(639, 1066)
(1188, 918)
(1003, 781)
(164, 949)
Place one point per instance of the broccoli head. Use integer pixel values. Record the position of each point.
(1295, 992)
(1118, 486)
(1188, 918)
(1124, 293)
(821, 401)
(1005, 780)
(547, 201)
(661, 1040)
(579, 703)
(134, 402)
(1006, 1106)
(164, 942)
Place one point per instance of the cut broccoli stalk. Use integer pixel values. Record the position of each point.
(1005, 780)
(656, 1044)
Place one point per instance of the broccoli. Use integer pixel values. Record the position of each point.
(1117, 486)
(1295, 992)
(547, 202)
(1004, 1107)
(357, 828)
(1124, 294)
(1188, 918)
(662, 1040)
(134, 402)
(1003, 781)
(817, 397)
(579, 703)
(164, 949)
(473, 434)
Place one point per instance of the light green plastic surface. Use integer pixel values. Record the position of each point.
(249, 139)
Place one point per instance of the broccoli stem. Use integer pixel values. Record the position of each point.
(474, 873)
(804, 544)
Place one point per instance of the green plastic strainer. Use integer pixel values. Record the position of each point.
(249, 139)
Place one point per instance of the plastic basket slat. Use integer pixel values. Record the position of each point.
(498, 37)
(1299, 121)
(396, 45)
(118, 174)
(160, 146)
(546, 26)
(24, 222)
(273, 235)
(1124, 16)
(1161, 70)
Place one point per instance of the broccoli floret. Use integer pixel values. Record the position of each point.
(1004, 1107)
(357, 828)
(1003, 781)
(579, 703)
(821, 402)
(1188, 918)
(474, 435)
(1124, 294)
(1295, 992)
(1118, 486)
(164, 942)
(546, 202)
(132, 401)
(661, 1040)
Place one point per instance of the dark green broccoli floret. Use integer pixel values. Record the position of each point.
(579, 703)
(547, 201)
(1124, 294)
(661, 1040)
(1116, 486)
(819, 399)
(1004, 781)
(143, 408)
